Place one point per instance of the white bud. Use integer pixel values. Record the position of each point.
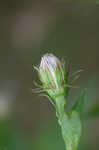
(51, 66)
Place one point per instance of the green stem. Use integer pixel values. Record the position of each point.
(60, 106)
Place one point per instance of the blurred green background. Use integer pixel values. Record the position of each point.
(29, 29)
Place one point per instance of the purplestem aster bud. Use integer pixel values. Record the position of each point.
(51, 71)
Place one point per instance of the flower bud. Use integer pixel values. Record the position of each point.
(51, 72)
(53, 78)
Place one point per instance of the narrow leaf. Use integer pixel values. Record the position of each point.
(80, 104)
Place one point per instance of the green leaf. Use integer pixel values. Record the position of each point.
(71, 130)
(80, 104)
(94, 112)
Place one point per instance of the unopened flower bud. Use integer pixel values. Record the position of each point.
(51, 71)
(52, 75)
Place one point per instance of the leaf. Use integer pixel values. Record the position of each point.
(71, 130)
(80, 104)
(94, 112)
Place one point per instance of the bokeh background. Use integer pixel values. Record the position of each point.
(29, 29)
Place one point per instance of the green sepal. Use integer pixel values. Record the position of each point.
(71, 130)
(80, 104)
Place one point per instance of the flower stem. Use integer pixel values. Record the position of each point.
(60, 106)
